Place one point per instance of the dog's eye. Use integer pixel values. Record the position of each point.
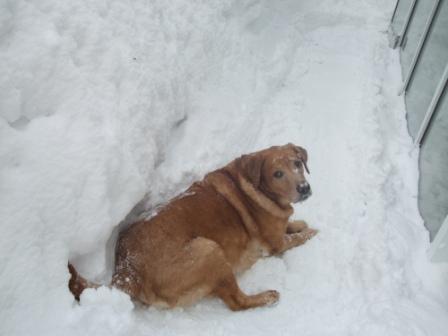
(298, 163)
(278, 174)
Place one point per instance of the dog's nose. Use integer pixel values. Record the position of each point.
(303, 188)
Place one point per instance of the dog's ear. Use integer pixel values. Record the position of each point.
(250, 167)
(302, 153)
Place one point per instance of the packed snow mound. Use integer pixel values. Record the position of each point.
(102, 102)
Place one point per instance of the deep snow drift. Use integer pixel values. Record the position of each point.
(102, 102)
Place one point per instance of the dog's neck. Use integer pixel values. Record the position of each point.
(223, 182)
(262, 201)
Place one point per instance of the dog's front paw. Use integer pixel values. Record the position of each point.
(296, 226)
(309, 233)
(271, 297)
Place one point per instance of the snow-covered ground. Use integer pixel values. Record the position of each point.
(104, 102)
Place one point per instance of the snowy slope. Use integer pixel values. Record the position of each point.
(104, 101)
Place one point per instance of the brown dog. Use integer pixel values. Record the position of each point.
(218, 227)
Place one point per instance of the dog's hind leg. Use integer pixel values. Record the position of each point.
(125, 277)
(126, 281)
(229, 291)
(201, 269)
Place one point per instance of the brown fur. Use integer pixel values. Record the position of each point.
(220, 226)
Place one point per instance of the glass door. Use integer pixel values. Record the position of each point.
(433, 193)
(429, 69)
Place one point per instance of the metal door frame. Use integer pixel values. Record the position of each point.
(420, 45)
(432, 106)
(406, 23)
(397, 39)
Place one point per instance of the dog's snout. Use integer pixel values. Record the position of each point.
(303, 188)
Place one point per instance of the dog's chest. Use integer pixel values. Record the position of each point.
(254, 251)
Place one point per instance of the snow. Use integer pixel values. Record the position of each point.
(104, 102)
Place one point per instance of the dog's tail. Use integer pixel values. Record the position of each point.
(77, 283)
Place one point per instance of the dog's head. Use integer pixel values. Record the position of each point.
(278, 172)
